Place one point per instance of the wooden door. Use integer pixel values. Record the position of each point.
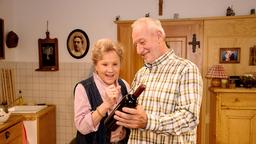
(179, 35)
(131, 61)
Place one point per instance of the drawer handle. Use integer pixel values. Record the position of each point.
(7, 135)
(237, 100)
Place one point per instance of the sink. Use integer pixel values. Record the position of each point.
(27, 108)
(4, 116)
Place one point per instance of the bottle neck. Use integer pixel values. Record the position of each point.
(139, 90)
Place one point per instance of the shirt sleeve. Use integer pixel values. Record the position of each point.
(82, 112)
(187, 106)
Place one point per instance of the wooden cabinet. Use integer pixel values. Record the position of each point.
(47, 126)
(11, 132)
(12, 135)
(229, 32)
(41, 126)
(233, 116)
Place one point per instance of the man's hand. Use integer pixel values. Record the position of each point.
(118, 134)
(131, 117)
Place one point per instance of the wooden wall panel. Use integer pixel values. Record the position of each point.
(227, 33)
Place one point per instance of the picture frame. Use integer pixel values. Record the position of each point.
(2, 54)
(48, 54)
(78, 43)
(230, 55)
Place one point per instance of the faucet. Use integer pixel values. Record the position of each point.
(3, 106)
(17, 101)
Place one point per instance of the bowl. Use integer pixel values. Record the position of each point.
(4, 116)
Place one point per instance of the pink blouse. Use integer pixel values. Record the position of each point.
(82, 107)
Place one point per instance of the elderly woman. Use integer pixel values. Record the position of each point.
(96, 96)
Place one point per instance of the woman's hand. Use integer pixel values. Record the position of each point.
(118, 134)
(112, 93)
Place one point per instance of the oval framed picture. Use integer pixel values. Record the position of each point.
(78, 43)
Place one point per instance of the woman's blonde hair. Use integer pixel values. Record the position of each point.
(105, 45)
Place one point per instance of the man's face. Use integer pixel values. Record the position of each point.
(146, 43)
(77, 44)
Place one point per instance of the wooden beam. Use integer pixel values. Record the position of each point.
(160, 7)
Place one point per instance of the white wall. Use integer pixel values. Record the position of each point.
(28, 19)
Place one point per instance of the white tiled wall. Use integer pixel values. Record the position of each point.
(53, 87)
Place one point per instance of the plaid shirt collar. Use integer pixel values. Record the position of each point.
(161, 60)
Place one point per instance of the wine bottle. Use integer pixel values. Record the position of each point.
(129, 100)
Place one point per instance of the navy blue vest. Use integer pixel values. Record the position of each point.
(102, 135)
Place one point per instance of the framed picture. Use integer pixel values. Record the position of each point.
(78, 43)
(230, 55)
(48, 54)
(1, 39)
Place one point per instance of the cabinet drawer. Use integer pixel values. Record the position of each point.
(12, 134)
(243, 100)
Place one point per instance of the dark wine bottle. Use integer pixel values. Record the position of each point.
(129, 100)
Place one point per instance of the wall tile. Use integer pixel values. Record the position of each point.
(52, 88)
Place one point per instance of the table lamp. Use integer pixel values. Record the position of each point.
(216, 73)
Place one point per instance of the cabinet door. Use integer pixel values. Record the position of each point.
(12, 135)
(237, 127)
(46, 127)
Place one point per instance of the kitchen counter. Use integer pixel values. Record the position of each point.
(34, 116)
(19, 117)
(38, 126)
(13, 119)
(11, 132)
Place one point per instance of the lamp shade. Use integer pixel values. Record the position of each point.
(216, 71)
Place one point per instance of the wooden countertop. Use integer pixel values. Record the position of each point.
(13, 119)
(231, 90)
(19, 117)
(34, 116)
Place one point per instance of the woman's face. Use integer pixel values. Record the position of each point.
(109, 67)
